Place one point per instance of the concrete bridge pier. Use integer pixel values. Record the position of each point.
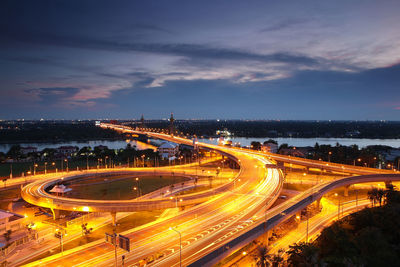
(318, 203)
(267, 236)
(114, 218)
(56, 214)
(346, 191)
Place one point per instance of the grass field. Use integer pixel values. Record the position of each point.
(120, 187)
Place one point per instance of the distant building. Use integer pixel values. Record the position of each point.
(270, 147)
(228, 143)
(10, 221)
(221, 141)
(67, 151)
(171, 129)
(224, 133)
(168, 149)
(27, 150)
(292, 152)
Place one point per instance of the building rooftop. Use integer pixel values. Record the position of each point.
(168, 145)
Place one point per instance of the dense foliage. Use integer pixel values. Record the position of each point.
(18, 131)
(54, 132)
(306, 129)
(370, 237)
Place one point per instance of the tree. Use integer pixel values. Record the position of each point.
(376, 195)
(277, 259)
(391, 195)
(373, 196)
(303, 254)
(85, 230)
(14, 152)
(283, 146)
(380, 195)
(261, 256)
(270, 141)
(255, 145)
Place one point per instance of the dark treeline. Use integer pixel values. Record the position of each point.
(305, 129)
(17, 131)
(370, 237)
(57, 131)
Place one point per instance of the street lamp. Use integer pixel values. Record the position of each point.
(67, 164)
(137, 194)
(59, 235)
(45, 168)
(180, 245)
(34, 168)
(138, 185)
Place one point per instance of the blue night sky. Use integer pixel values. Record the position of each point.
(321, 60)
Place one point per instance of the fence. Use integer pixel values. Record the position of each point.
(22, 240)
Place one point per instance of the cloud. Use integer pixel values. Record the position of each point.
(175, 49)
(284, 24)
(149, 27)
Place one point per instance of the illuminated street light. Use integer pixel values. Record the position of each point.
(34, 168)
(138, 185)
(180, 245)
(66, 160)
(60, 234)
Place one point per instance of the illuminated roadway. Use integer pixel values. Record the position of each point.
(221, 215)
(217, 227)
(36, 193)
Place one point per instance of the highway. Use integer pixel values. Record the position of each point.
(36, 193)
(222, 215)
(216, 228)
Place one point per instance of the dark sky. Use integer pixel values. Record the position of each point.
(200, 59)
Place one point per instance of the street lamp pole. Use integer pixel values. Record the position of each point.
(138, 185)
(180, 245)
(307, 227)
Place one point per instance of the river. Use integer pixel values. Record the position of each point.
(299, 142)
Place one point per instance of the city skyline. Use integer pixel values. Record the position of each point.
(226, 60)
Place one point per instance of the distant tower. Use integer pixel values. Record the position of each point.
(171, 124)
(142, 122)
